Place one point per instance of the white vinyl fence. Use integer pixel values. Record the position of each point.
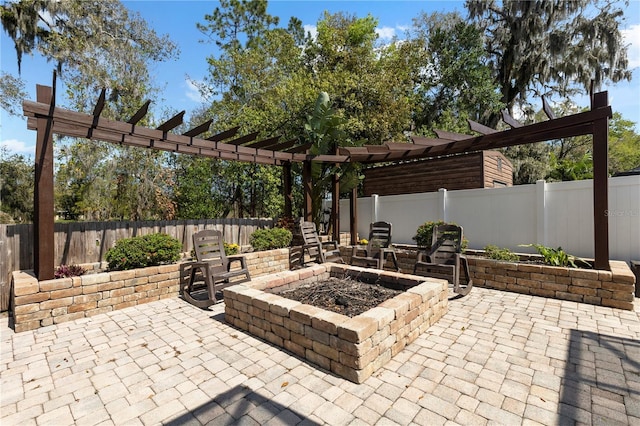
(558, 214)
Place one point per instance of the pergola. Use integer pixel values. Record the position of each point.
(47, 119)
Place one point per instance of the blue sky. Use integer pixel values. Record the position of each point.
(178, 19)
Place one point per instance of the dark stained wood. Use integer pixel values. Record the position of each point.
(353, 216)
(172, 123)
(306, 187)
(198, 130)
(419, 140)
(464, 171)
(97, 110)
(288, 189)
(547, 109)
(480, 128)
(510, 120)
(243, 139)
(43, 191)
(224, 135)
(140, 113)
(335, 206)
(451, 135)
(284, 145)
(600, 186)
(265, 143)
(299, 148)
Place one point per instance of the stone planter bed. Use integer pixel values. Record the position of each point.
(37, 304)
(613, 288)
(353, 348)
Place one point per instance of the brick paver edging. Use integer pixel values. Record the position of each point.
(41, 303)
(353, 348)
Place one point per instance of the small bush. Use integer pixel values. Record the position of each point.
(66, 271)
(268, 239)
(495, 252)
(142, 251)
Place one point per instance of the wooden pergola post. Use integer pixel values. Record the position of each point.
(353, 215)
(43, 244)
(600, 185)
(306, 186)
(288, 196)
(335, 207)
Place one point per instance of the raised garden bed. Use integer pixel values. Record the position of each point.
(353, 348)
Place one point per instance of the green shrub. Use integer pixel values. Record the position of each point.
(268, 239)
(495, 252)
(558, 257)
(142, 251)
(424, 234)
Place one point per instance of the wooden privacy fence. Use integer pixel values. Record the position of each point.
(88, 242)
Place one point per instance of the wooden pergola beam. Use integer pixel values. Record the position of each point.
(173, 122)
(198, 130)
(139, 115)
(224, 135)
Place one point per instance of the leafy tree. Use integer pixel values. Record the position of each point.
(455, 82)
(194, 194)
(12, 92)
(16, 187)
(324, 129)
(567, 169)
(624, 145)
(93, 45)
(550, 47)
(530, 162)
(256, 84)
(97, 45)
(370, 85)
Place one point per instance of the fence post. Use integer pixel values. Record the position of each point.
(442, 204)
(374, 207)
(541, 220)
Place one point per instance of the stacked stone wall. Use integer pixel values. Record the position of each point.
(41, 303)
(353, 348)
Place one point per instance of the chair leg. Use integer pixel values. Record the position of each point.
(463, 291)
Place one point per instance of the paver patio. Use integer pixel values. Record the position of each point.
(494, 358)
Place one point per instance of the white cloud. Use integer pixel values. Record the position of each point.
(15, 146)
(193, 92)
(386, 33)
(311, 29)
(631, 36)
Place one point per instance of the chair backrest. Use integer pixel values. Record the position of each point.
(446, 242)
(309, 233)
(379, 235)
(209, 247)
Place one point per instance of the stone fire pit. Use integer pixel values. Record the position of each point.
(353, 348)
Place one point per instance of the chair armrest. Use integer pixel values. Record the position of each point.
(241, 259)
(354, 250)
(330, 243)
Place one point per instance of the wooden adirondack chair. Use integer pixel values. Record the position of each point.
(321, 251)
(378, 247)
(445, 258)
(205, 278)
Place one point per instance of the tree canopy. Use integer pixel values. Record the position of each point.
(544, 47)
(342, 87)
